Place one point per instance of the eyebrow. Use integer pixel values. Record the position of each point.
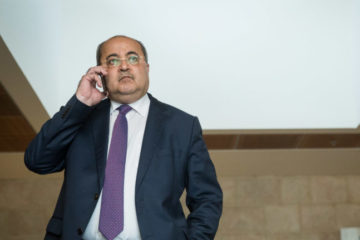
(117, 55)
(112, 55)
(132, 53)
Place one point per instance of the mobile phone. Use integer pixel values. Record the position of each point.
(103, 81)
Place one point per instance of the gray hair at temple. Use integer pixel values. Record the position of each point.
(98, 50)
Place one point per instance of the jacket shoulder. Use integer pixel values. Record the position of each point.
(168, 109)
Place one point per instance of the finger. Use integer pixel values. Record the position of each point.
(97, 70)
(93, 79)
(98, 80)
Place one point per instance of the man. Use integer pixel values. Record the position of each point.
(123, 178)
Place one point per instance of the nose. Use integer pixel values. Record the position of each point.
(124, 66)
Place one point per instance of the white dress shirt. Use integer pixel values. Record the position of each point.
(136, 126)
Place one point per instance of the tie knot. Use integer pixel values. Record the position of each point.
(124, 109)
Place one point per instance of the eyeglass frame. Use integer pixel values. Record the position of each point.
(129, 55)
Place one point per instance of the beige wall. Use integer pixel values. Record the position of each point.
(289, 207)
(268, 195)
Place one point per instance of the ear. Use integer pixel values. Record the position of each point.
(147, 67)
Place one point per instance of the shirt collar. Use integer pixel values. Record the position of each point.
(141, 106)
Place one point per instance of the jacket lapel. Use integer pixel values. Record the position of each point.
(152, 135)
(100, 135)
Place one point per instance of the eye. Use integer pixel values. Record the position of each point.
(113, 62)
(133, 59)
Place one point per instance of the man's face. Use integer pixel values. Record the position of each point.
(126, 83)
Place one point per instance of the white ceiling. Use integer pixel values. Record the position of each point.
(237, 64)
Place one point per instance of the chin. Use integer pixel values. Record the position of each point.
(127, 88)
(127, 92)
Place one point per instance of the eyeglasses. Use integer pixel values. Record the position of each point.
(115, 62)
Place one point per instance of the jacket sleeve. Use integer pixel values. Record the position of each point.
(46, 152)
(204, 195)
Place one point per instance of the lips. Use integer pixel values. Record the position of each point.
(126, 76)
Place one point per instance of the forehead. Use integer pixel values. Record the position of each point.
(120, 46)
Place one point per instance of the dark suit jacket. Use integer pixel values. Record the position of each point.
(174, 157)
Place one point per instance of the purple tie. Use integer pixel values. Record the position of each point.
(112, 204)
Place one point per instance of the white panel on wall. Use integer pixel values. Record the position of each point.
(235, 64)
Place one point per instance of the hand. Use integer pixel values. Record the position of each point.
(87, 92)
